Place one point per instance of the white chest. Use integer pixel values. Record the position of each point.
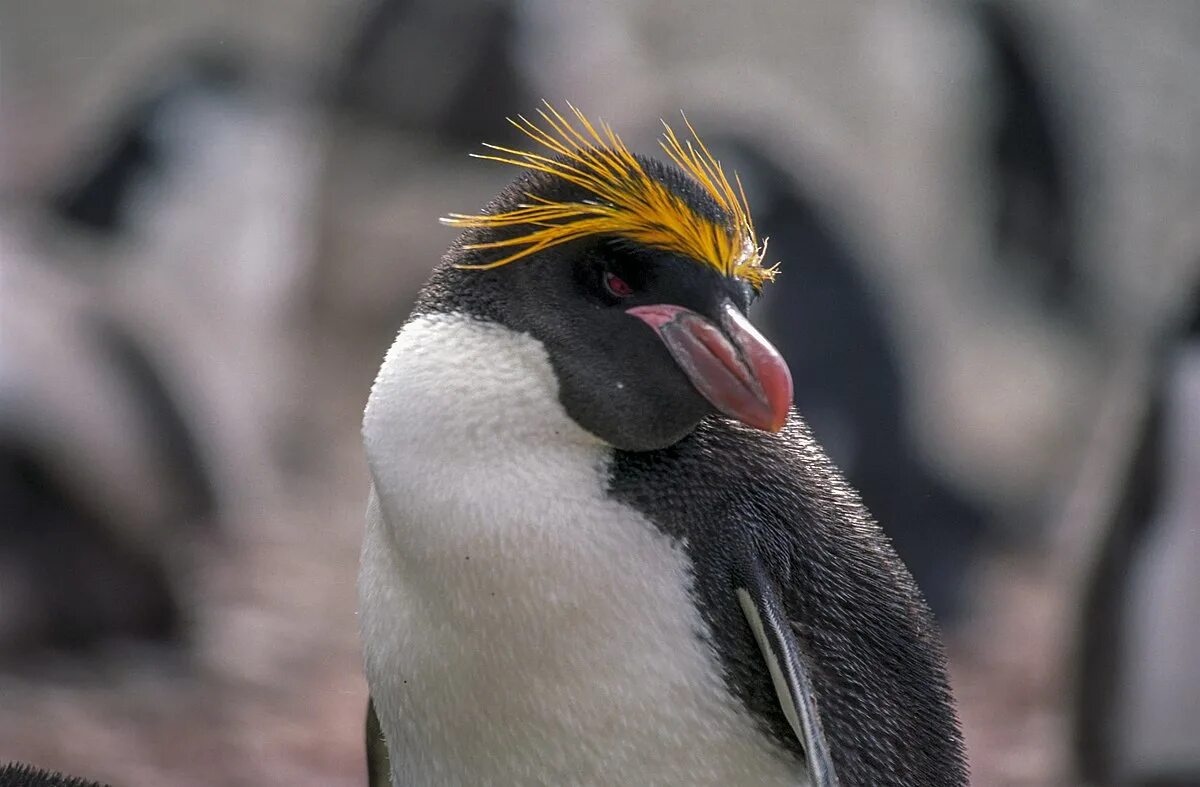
(520, 627)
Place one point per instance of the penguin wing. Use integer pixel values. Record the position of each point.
(759, 599)
(378, 766)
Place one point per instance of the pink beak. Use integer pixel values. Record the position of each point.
(732, 366)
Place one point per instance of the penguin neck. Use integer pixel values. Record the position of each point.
(468, 396)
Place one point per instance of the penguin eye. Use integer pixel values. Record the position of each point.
(616, 286)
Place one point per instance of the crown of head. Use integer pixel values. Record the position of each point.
(625, 200)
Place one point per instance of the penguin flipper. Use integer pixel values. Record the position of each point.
(379, 770)
(760, 603)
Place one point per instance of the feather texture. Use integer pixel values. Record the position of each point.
(627, 202)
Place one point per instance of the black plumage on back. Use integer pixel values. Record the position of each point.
(878, 667)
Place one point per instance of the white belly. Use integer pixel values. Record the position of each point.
(520, 627)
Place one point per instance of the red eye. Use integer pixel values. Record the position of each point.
(617, 286)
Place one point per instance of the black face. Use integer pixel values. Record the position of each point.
(618, 376)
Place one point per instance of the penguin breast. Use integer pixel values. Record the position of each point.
(520, 625)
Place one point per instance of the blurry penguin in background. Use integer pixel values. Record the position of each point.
(97, 490)
(1027, 166)
(414, 81)
(1137, 685)
(827, 322)
(463, 90)
(141, 147)
(101, 493)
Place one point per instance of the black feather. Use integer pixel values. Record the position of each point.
(878, 667)
(19, 774)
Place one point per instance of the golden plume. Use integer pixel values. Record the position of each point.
(627, 202)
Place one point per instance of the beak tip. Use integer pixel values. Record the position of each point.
(780, 397)
(776, 424)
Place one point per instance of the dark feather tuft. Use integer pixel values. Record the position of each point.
(19, 774)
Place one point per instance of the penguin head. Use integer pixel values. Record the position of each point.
(634, 274)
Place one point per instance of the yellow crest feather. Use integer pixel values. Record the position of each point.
(628, 202)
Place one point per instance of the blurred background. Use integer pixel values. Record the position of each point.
(214, 216)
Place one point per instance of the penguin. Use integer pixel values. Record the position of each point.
(1133, 704)
(1026, 163)
(450, 103)
(145, 145)
(600, 546)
